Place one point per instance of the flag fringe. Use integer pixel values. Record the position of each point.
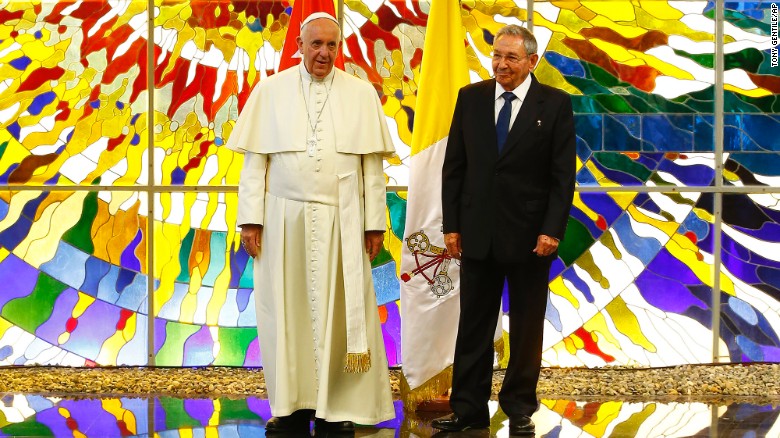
(499, 347)
(435, 387)
(414, 427)
(357, 362)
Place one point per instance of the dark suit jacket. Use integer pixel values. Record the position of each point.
(506, 201)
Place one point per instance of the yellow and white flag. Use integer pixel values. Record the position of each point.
(430, 278)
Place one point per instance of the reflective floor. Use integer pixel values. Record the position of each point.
(35, 415)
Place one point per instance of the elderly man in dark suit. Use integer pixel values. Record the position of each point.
(507, 188)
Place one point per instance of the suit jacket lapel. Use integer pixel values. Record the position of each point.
(487, 118)
(526, 117)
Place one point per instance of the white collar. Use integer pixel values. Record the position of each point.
(520, 92)
(307, 77)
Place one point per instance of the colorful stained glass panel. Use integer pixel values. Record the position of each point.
(74, 269)
(632, 284)
(208, 57)
(751, 277)
(73, 93)
(752, 99)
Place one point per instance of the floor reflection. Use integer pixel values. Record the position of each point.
(35, 415)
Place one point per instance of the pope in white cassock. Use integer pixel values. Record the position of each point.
(311, 207)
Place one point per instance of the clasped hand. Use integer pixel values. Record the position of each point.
(545, 245)
(251, 237)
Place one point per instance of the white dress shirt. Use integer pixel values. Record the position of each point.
(521, 91)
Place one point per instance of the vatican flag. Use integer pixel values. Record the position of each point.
(430, 277)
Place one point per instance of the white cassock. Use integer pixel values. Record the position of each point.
(316, 184)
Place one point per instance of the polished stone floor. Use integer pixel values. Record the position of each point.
(35, 415)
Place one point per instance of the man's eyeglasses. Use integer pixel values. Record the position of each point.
(509, 59)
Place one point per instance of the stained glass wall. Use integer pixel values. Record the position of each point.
(102, 127)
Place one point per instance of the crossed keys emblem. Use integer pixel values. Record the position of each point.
(431, 262)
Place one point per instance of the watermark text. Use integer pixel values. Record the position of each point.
(773, 17)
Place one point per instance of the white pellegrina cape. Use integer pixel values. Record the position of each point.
(274, 117)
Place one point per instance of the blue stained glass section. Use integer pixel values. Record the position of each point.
(696, 175)
(177, 176)
(386, 284)
(732, 139)
(750, 9)
(642, 248)
(40, 102)
(589, 128)
(67, 265)
(650, 160)
(21, 63)
(703, 133)
(750, 348)
(697, 225)
(95, 270)
(618, 176)
(762, 164)
(643, 200)
(255, 26)
(488, 36)
(579, 284)
(567, 66)
(553, 317)
(585, 177)
(668, 132)
(603, 204)
(762, 131)
(744, 310)
(621, 133)
(14, 129)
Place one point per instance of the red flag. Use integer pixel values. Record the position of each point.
(302, 9)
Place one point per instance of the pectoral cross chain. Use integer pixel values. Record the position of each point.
(311, 142)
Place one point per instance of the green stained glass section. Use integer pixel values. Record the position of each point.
(623, 163)
(184, 254)
(576, 241)
(238, 339)
(382, 258)
(397, 208)
(32, 428)
(80, 235)
(172, 351)
(177, 416)
(33, 310)
(236, 410)
(748, 59)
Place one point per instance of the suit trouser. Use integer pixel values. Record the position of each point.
(482, 285)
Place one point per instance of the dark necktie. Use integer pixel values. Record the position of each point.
(504, 116)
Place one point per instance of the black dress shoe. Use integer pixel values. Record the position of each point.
(297, 422)
(454, 423)
(321, 425)
(521, 425)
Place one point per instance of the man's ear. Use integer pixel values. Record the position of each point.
(533, 59)
(299, 40)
